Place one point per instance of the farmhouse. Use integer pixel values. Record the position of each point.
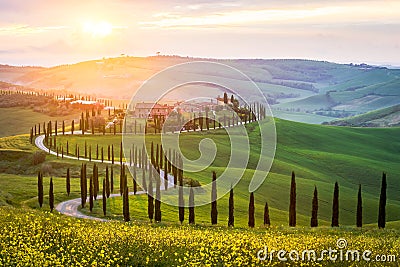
(143, 110)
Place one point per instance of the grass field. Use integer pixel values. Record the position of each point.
(18, 120)
(320, 155)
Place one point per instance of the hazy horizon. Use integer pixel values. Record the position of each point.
(48, 33)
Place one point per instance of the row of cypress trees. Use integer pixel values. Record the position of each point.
(335, 205)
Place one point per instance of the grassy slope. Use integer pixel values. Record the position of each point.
(379, 118)
(18, 120)
(352, 92)
(319, 155)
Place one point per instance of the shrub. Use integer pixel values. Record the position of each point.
(38, 157)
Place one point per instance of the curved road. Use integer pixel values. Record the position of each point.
(70, 207)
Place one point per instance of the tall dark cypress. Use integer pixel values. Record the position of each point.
(267, 221)
(134, 180)
(112, 179)
(150, 199)
(125, 204)
(181, 201)
(82, 184)
(382, 203)
(112, 154)
(108, 191)
(335, 207)
(251, 210)
(157, 207)
(40, 189)
(359, 208)
(191, 206)
(91, 193)
(51, 195)
(314, 211)
(72, 127)
(121, 180)
(292, 203)
(68, 182)
(214, 212)
(231, 218)
(104, 198)
(165, 173)
(120, 154)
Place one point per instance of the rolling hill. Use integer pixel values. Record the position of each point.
(292, 86)
(387, 117)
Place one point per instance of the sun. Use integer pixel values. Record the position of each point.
(97, 29)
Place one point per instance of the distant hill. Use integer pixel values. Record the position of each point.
(387, 117)
(293, 86)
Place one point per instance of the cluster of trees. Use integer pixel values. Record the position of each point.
(41, 191)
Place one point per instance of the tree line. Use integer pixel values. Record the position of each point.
(151, 182)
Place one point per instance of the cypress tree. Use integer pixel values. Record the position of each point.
(314, 212)
(63, 127)
(214, 212)
(108, 191)
(82, 184)
(72, 127)
(359, 208)
(68, 182)
(97, 151)
(150, 199)
(231, 218)
(191, 205)
(121, 180)
(144, 185)
(31, 135)
(112, 154)
(51, 195)
(225, 98)
(126, 205)
(292, 204)
(382, 203)
(251, 210)
(152, 153)
(112, 180)
(180, 190)
(335, 207)
(157, 207)
(91, 193)
(95, 181)
(134, 180)
(267, 221)
(40, 189)
(165, 173)
(157, 157)
(102, 155)
(104, 198)
(108, 153)
(120, 154)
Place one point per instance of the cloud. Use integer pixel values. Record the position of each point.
(26, 29)
(239, 14)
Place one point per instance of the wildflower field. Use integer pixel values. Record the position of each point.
(35, 238)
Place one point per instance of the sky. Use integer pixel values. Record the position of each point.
(49, 33)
